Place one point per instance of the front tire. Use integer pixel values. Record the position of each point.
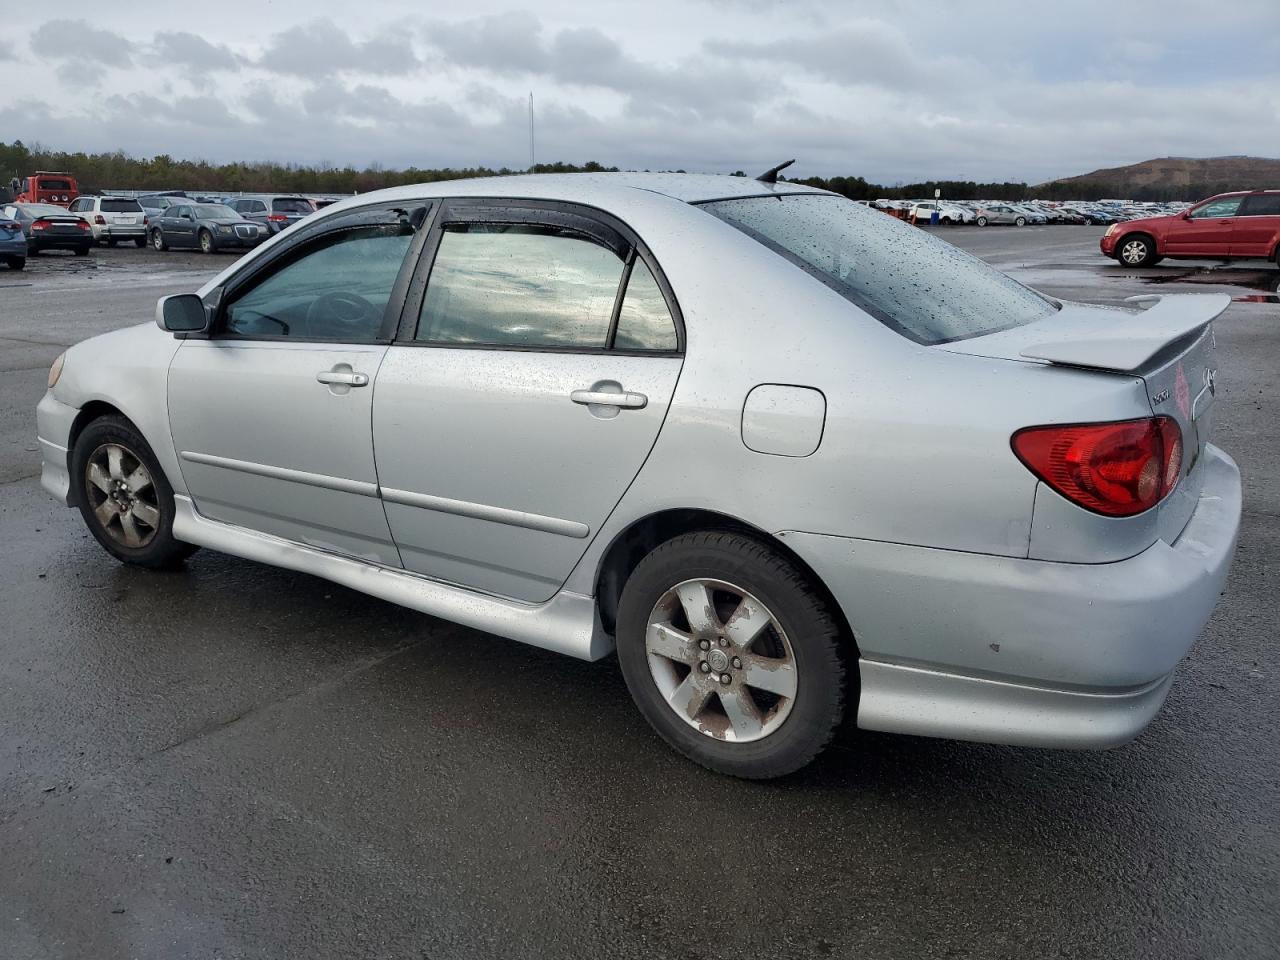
(981, 221)
(1020, 222)
(1136, 251)
(206, 242)
(732, 655)
(157, 240)
(124, 496)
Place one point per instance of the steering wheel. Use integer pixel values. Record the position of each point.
(339, 314)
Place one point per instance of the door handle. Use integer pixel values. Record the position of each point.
(349, 379)
(631, 401)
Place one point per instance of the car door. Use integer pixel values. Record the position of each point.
(526, 388)
(1257, 226)
(180, 226)
(271, 413)
(1204, 230)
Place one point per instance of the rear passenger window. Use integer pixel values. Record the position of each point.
(644, 323)
(1262, 205)
(520, 285)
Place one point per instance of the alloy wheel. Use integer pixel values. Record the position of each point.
(122, 495)
(1134, 252)
(721, 660)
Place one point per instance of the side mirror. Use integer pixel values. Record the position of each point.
(181, 314)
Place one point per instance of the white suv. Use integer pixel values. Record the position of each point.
(113, 218)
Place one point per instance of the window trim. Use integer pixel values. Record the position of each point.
(551, 213)
(305, 241)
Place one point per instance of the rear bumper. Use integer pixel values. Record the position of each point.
(13, 246)
(1010, 650)
(119, 231)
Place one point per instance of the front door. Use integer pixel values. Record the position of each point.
(524, 394)
(1203, 231)
(271, 415)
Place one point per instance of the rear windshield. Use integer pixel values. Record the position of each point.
(43, 209)
(121, 206)
(44, 183)
(921, 287)
(290, 205)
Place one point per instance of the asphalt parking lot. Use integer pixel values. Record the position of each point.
(237, 761)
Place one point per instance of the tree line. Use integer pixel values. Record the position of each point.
(96, 172)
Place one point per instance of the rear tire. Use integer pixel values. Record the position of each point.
(82, 251)
(768, 631)
(124, 496)
(1136, 250)
(981, 221)
(16, 263)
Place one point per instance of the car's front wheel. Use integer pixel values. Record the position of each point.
(1020, 222)
(1137, 251)
(732, 655)
(124, 496)
(157, 240)
(206, 242)
(981, 221)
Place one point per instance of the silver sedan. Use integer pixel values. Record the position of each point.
(789, 457)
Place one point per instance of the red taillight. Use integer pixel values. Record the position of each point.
(277, 218)
(100, 220)
(145, 221)
(40, 225)
(1117, 469)
(84, 224)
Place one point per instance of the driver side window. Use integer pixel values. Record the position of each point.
(337, 289)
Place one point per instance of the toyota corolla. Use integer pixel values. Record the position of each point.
(792, 459)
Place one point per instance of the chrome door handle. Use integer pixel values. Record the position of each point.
(349, 379)
(632, 401)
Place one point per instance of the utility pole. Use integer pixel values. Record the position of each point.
(532, 160)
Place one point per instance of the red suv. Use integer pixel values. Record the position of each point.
(1230, 226)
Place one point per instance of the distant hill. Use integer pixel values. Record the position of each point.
(1175, 178)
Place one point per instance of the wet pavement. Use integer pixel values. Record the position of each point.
(241, 762)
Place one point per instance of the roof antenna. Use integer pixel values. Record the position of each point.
(771, 175)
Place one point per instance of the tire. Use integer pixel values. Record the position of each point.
(1136, 250)
(17, 263)
(774, 732)
(158, 241)
(81, 251)
(206, 242)
(152, 527)
(111, 242)
(981, 221)
(1020, 222)
(139, 242)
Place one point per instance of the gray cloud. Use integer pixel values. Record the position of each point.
(75, 39)
(188, 50)
(321, 48)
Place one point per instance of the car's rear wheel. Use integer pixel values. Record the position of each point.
(16, 263)
(123, 495)
(732, 655)
(981, 221)
(157, 240)
(82, 251)
(1137, 251)
(206, 242)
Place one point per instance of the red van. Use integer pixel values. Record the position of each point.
(1230, 226)
(47, 186)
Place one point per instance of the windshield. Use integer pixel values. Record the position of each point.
(214, 211)
(921, 287)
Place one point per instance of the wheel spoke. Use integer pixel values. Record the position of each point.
(746, 623)
(139, 480)
(131, 536)
(744, 716)
(114, 465)
(665, 641)
(690, 697)
(695, 599)
(147, 514)
(106, 510)
(771, 674)
(98, 477)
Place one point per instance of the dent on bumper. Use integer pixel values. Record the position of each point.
(1027, 651)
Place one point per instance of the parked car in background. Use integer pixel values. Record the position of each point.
(728, 452)
(112, 219)
(46, 186)
(276, 213)
(1001, 213)
(13, 243)
(948, 214)
(208, 227)
(50, 227)
(1230, 226)
(156, 203)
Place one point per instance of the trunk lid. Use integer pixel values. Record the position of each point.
(1170, 346)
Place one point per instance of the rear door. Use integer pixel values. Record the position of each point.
(525, 391)
(271, 415)
(1205, 230)
(1257, 226)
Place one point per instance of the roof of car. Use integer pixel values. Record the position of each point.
(586, 187)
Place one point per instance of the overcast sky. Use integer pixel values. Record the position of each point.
(892, 90)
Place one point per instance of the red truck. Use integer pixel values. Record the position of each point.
(1230, 226)
(46, 186)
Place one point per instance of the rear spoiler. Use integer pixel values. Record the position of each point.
(1133, 343)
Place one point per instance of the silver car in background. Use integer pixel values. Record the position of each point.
(788, 456)
(112, 219)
